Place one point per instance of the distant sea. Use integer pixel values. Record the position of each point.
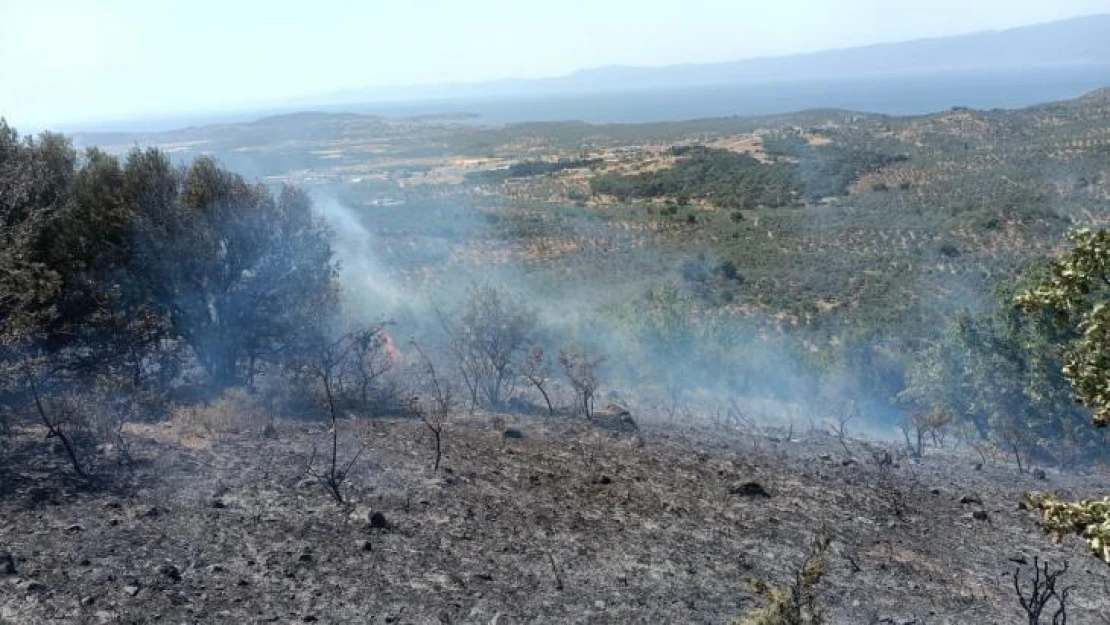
(899, 95)
(894, 95)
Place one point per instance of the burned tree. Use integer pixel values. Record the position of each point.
(373, 359)
(920, 428)
(486, 342)
(537, 372)
(582, 372)
(435, 412)
(322, 360)
(1042, 591)
(59, 414)
(840, 429)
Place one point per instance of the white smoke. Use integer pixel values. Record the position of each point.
(368, 289)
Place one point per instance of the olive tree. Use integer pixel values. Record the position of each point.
(1076, 292)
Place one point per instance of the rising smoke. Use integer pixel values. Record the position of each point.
(667, 358)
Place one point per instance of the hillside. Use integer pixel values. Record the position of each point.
(564, 525)
(884, 228)
(428, 370)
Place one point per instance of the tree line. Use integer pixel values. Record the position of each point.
(122, 276)
(131, 284)
(723, 178)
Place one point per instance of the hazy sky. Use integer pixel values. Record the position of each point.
(66, 61)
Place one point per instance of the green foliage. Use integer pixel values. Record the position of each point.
(1077, 293)
(123, 268)
(1089, 519)
(1002, 372)
(724, 178)
(527, 169)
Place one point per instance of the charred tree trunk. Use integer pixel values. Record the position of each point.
(52, 427)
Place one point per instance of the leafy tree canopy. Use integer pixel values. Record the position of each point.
(1077, 293)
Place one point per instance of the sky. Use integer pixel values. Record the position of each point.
(68, 62)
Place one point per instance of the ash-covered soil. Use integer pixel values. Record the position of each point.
(564, 525)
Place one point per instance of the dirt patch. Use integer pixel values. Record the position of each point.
(752, 145)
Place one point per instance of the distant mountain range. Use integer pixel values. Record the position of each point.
(994, 69)
(1073, 42)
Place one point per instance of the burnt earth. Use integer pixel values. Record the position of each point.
(568, 524)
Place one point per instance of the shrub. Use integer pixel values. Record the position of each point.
(798, 604)
(236, 411)
(1089, 519)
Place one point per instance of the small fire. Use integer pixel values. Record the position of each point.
(391, 350)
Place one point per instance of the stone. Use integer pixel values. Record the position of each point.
(378, 521)
(1039, 474)
(131, 590)
(7, 564)
(169, 571)
(749, 489)
(88, 600)
(614, 418)
(269, 431)
(980, 515)
(971, 499)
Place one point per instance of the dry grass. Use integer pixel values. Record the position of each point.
(236, 412)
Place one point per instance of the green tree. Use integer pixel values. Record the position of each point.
(105, 267)
(236, 273)
(1002, 373)
(1077, 293)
